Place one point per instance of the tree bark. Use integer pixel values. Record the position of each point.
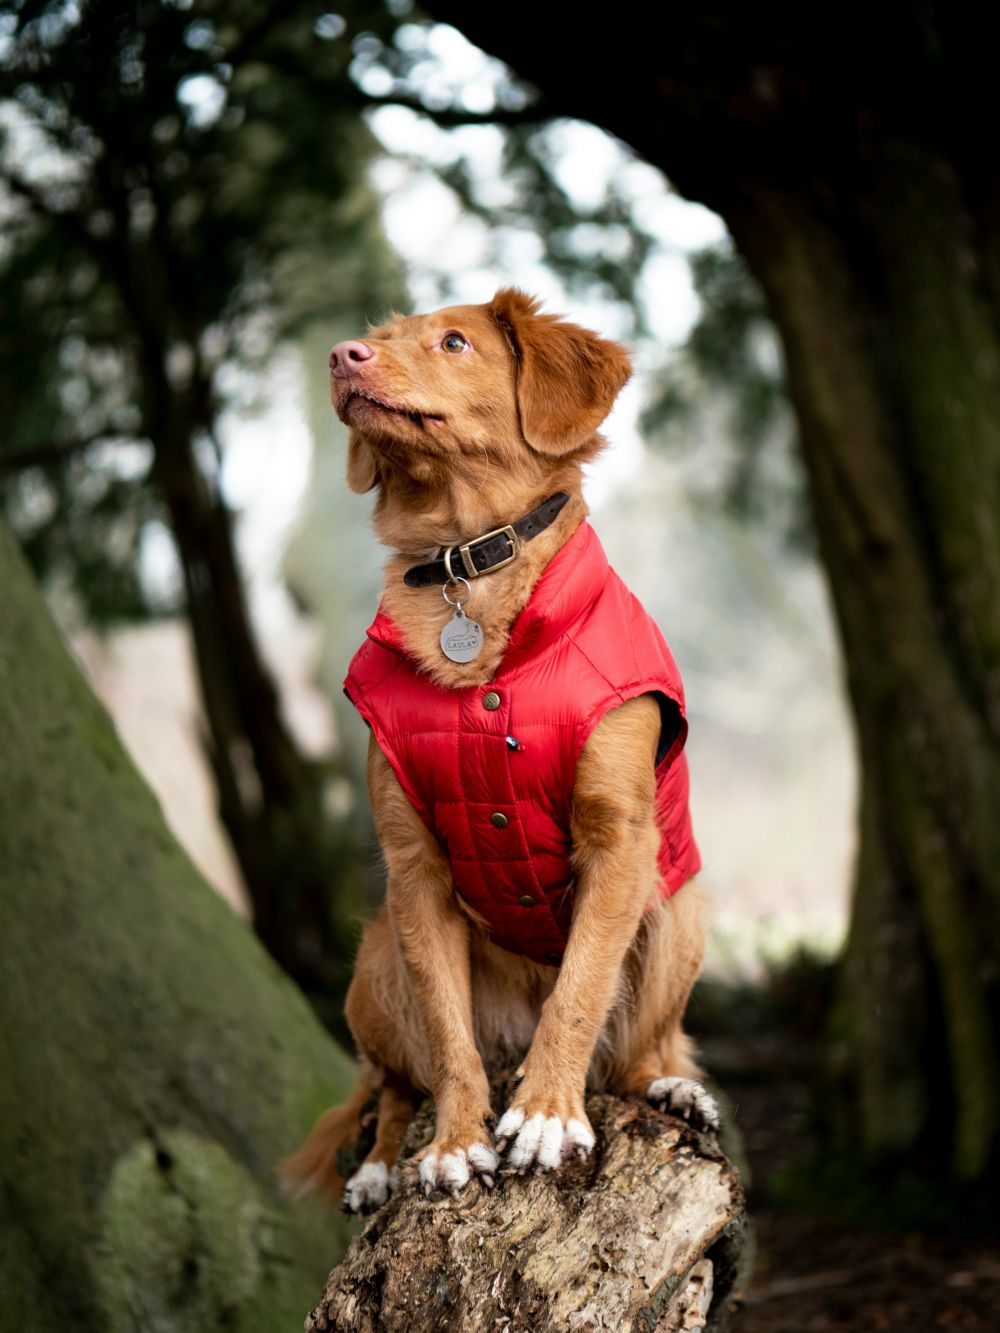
(646, 1234)
(297, 862)
(855, 178)
(155, 1066)
(899, 409)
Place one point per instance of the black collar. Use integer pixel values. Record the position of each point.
(490, 551)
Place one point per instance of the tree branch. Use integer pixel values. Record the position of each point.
(68, 219)
(449, 118)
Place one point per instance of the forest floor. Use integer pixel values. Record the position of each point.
(815, 1271)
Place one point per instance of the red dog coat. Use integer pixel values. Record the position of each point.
(490, 768)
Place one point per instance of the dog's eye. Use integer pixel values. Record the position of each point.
(454, 342)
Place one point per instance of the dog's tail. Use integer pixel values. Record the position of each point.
(313, 1169)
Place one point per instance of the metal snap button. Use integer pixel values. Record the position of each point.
(499, 820)
(527, 900)
(491, 701)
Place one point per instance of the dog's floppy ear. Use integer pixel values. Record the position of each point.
(362, 470)
(567, 377)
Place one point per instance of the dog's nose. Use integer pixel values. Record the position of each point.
(348, 356)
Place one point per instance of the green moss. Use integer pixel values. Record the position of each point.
(135, 1003)
(178, 1244)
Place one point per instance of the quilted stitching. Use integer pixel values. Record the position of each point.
(580, 637)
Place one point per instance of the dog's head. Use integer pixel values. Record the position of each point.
(427, 395)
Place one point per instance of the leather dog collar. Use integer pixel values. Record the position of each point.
(487, 552)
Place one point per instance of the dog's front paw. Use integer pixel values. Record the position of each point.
(536, 1134)
(444, 1166)
(369, 1188)
(685, 1098)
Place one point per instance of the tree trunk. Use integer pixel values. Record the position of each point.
(646, 1235)
(898, 398)
(154, 1064)
(298, 864)
(856, 180)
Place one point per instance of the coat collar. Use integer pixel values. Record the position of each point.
(569, 585)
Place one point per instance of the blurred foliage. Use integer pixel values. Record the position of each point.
(182, 185)
(791, 996)
(723, 393)
(852, 1190)
(597, 249)
(770, 1029)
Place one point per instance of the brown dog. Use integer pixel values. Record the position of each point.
(466, 420)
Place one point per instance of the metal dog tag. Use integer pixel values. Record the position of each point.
(462, 638)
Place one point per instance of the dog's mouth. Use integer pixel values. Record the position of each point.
(362, 403)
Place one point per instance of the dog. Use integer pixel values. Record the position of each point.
(525, 769)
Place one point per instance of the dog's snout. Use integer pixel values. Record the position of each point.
(349, 356)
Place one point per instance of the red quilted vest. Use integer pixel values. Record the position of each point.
(490, 768)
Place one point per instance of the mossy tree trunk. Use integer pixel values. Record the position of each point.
(155, 1065)
(299, 865)
(855, 165)
(898, 397)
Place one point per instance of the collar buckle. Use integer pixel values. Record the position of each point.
(445, 568)
(465, 552)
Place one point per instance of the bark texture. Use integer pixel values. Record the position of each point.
(645, 1235)
(155, 1066)
(851, 162)
(296, 860)
(899, 406)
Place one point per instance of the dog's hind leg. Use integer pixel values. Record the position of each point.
(668, 1076)
(381, 1017)
(657, 1057)
(375, 1178)
(313, 1169)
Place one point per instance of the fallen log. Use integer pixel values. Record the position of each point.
(645, 1235)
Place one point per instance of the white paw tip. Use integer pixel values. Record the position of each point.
(483, 1158)
(428, 1173)
(550, 1144)
(368, 1188)
(450, 1171)
(542, 1141)
(510, 1122)
(579, 1135)
(522, 1150)
(686, 1098)
(453, 1170)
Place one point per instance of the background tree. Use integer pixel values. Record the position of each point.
(850, 165)
(184, 188)
(821, 152)
(156, 1064)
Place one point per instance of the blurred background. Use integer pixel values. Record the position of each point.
(732, 582)
(197, 199)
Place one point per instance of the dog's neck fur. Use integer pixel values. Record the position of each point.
(457, 513)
